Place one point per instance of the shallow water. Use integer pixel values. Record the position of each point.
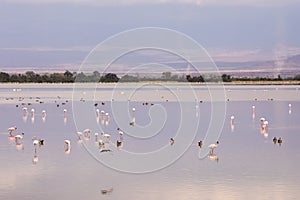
(249, 165)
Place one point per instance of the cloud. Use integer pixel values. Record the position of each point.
(139, 2)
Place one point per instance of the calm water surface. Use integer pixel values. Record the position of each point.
(249, 165)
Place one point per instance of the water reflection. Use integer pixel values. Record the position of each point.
(253, 112)
(44, 115)
(213, 157)
(232, 123)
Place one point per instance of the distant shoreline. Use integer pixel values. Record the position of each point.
(284, 82)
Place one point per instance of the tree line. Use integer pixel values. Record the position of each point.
(69, 77)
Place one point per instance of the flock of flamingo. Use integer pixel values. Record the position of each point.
(103, 139)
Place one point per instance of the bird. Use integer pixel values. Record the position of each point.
(107, 116)
(133, 109)
(279, 141)
(262, 120)
(41, 142)
(200, 143)
(24, 111)
(101, 144)
(106, 191)
(43, 113)
(67, 146)
(32, 112)
(18, 137)
(131, 123)
(35, 142)
(86, 133)
(97, 112)
(11, 130)
(65, 113)
(274, 140)
(232, 120)
(106, 136)
(172, 141)
(213, 146)
(96, 137)
(79, 135)
(119, 143)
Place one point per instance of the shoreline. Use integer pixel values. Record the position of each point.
(292, 82)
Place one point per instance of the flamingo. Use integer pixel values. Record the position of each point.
(65, 113)
(19, 137)
(44, 114)
(213, 146)
(96, 137)
(79, 135)
(107, 116)
(11, 130)
(121, 135)
(232, 120)
(67, 146)
(106, 191)
(35, 142)
(86, 133)
(106, 136)
(24, 111)
(32, 112)
(101, 144)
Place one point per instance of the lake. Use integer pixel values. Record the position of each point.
(247, 164)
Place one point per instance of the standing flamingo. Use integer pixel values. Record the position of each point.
(213, 146)
(11, 130)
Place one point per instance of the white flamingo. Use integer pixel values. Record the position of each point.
(213, 146)
(86, 133)
(11, 130)
(232, 120)
(107, 116)
(96, 137)
(18, 138)
(44, 114)
(106, 136)
(79, 134)
(65, 113)
(25, 111)
(102, 114)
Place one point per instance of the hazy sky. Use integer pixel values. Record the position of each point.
(62, 32)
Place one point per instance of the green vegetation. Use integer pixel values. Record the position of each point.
(69, 77)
